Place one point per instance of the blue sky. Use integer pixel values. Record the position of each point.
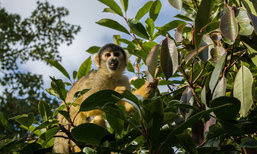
(84, 13)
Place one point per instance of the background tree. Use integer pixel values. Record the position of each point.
(36, 38)
(208, 66)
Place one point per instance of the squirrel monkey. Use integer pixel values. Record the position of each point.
(111, 61)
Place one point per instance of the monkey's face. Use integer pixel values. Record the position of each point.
(113, 61)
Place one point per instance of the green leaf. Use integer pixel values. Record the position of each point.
(151, 60)
(93, 49)
(24, 119)
(194, 53)
(254, 21)
(249, 144)
(49, 134)
(180, 16)
(189, 122)
(109, 10)
(202, 19)
(59, 67)
(115, 117)
(99, 99)
(227, 112)
(150, 26)
(124, 4)
(4, 122)
(138, 28)
(46, 124)
(243, 89)
(155, 9)
(44, 110)
(89, 133)
(216, 72)
(186, 141)
(176, 4)
(130, 67)
(74, 75)
(251, 6)
(169, 26)
(169, 57)
(143, 10)
(84, 68)
(178, 34)
(252, 53)
(229, 25)
(113, 5)
(59, 88)
(65, 114)
(113, 25)
(220, 89)
(116, 39)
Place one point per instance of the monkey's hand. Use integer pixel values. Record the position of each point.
(146, 88)
(120, 89)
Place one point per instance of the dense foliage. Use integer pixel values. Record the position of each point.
(208, 66)
(35, 38)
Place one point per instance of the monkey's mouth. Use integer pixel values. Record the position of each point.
(113, 64)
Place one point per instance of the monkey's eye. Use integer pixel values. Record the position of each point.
(116, 54)
(108, 55)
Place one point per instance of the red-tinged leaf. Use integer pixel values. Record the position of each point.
(229, 25)
(169, 57)
(151, 59)
(178, 34)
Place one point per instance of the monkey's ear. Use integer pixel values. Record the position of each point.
(96, 60)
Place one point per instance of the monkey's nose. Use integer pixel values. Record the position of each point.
(114, 62)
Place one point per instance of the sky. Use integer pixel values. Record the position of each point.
(84, 13)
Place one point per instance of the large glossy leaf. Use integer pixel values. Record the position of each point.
(112, 24)
(44, 110)
(194, 53)
(217, 52)
(138, 28)
(124, 4)
(143, 10)
(24, 119)
(84, 68)
(169, 57)
(59, 67)
(99, 99)
(176, 4)
(89, 133)
(227, 112)
(187, 98)
(245, 28)
(49, 134)
(58, 88)
(243, 89)
(113, 5)
(202, 19)
(216, 72)
(151, 59)
(229, 25)
(220, 89)
(155, 9)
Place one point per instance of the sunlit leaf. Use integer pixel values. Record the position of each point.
(252, 53)
(250, 5)
(229, 25)
(112, 24)
(89, 133)
(176, 4)
(202, 19)
(180, 16)
(109, 10)
(84, 68)
(24, 119)
(138, 28)
(44, 110)
(243, 89)
(143, 10)
(59, 67)
(130, 67)
(220, 89)
(216, 72)
(150, 26)
(178, 34)
(151, 59)
(169, 57)
(171, 25)
(155, 9)
(124, 4)
(93, 49)
(113, 5)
